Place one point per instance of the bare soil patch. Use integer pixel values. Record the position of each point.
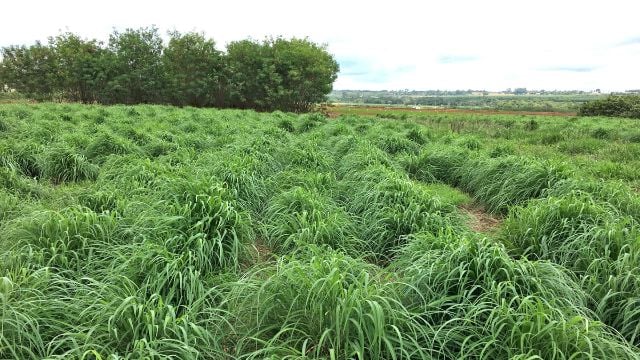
(479, 219)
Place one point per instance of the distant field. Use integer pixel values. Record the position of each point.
(567, 103)
(158, 232)
(380, 110)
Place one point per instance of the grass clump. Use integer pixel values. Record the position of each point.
(395, 144)
(436, 164)
(64, 165)
(504, 182)
(593, 240)
(475, 301)
(69, 239)
(297, 217)
(212, 230)
(390, 206)
(310, 121)
(321, 304)
(418, 135)
(105, 145)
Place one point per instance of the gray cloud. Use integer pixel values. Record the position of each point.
(364, 71)
(456, 59)
(576, 69)
(630, 41)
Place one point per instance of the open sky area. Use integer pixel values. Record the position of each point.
(420, 45)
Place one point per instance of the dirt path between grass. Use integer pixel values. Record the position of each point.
(479, 219)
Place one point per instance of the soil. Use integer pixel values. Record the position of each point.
(480, 220)
(263, 252)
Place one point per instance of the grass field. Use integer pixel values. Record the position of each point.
(155, 232)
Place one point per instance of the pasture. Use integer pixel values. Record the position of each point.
(159, 232)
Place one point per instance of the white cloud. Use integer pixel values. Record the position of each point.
(459, 44)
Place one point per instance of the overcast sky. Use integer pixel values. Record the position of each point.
(493, 45)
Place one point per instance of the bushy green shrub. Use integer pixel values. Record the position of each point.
(614, 105)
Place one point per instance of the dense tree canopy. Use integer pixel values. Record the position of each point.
(194, 70)
(135, 67)
(33, 70)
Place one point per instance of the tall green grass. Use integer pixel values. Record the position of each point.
(179, 233)
(594, 240)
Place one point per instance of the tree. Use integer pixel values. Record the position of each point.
(82, 73)
(307, 72)
(520, 91)
(252, 75)
(288, 75)
(194, 70)
(275, 74)
(32, 71)
(137, 66)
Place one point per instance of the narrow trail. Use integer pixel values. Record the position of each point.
(479, 220)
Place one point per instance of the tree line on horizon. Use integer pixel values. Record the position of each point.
(136, 67)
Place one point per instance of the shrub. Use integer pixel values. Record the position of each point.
(531, 125)
(614, 105)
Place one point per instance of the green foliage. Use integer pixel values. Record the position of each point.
(31, 70)
(136, 67)
(82, 69)
(614, 105)
(288, 75)
(195, 70)
(135, 55)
